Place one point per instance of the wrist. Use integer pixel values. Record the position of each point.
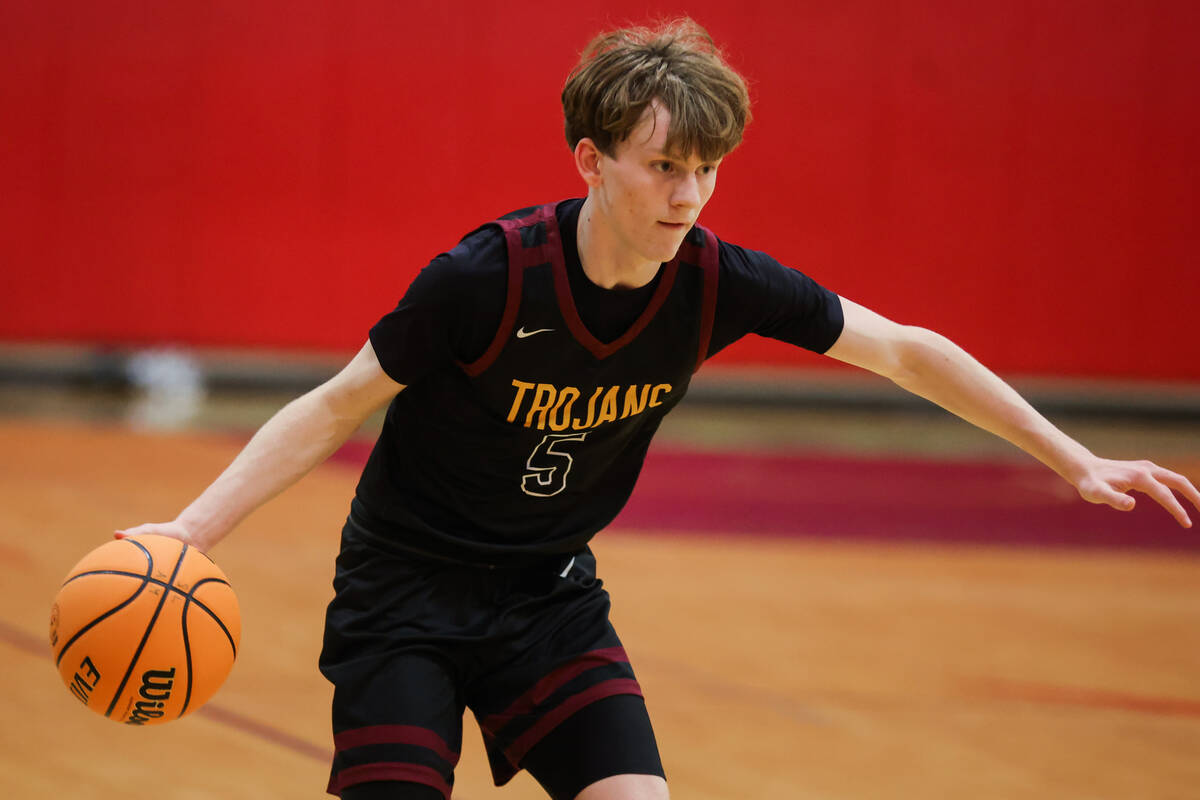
(198, 531)
(1067, 457)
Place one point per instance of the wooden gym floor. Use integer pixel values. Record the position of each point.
(846, 665)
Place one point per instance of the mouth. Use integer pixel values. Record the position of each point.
(675, 226)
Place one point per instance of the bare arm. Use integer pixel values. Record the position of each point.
(299, 437)
(929, 365)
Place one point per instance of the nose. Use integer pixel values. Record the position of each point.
(687, 192)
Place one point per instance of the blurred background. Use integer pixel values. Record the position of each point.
(205, 205)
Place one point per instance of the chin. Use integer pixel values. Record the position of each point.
(665, 251)
(661, 256)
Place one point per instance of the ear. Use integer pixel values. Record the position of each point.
(587, 161)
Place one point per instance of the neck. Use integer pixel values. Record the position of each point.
(605, 261)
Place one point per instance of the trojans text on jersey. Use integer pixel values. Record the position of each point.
(548, 406)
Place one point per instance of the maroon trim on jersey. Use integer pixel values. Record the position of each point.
(395, 734)
(566, 303)
(575, 323)
(389, 771)
(710, 262)
(520, 258)
(542, 690)
(527, 740)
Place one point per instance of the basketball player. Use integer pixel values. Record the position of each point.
(526, 371)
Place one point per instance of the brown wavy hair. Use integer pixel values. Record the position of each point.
(675, 63)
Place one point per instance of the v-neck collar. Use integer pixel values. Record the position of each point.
(570, 312)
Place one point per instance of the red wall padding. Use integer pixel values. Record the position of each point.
(1020, 176)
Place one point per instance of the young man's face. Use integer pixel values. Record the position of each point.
(650, 198)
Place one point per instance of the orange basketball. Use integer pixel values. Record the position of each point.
(145, 629)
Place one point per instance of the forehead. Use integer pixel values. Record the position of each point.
(649, 136)
(652, 128)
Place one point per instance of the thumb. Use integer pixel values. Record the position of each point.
(1101, 492)
(1118, 500)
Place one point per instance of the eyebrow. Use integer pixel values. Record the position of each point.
(677, 157)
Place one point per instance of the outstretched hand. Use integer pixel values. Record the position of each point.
(1107, 481)
(175, 530)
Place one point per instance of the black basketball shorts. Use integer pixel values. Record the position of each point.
(410, 642)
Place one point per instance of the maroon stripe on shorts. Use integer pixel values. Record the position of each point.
(552, 720)
(389, 771)
(395, 734)
(549, 684)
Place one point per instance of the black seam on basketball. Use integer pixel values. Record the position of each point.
(187, 655)
(145, 636)
(210, 612)
(144, 578)
(162, 585)
(145, 551)
(74, 578)
(133, 575)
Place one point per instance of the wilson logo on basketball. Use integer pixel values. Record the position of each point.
(155, 691)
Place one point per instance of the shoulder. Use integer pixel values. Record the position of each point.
(761, 282)
(478, 256)
(479, 252)
(482, 254)
(484, 248)
(529, 215)
(745, 265)
(758, 294)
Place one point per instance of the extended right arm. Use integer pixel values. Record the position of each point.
(299, 437)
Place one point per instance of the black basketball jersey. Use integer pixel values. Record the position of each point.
(535, 446)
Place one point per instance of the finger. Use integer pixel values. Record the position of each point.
(1166, 498)
(1180, 484)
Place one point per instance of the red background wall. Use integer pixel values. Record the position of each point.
(1023, 176)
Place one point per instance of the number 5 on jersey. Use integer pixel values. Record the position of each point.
(549, 464)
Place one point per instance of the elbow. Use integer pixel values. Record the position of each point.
(336, 408)
(918, 354)
(319, 409)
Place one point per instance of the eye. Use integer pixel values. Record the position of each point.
(707, 169)
(664, 167)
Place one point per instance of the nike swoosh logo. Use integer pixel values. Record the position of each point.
(522, 333)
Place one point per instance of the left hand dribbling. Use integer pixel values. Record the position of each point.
(1109, 482)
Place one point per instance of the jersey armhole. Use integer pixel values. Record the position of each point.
(517, 257)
